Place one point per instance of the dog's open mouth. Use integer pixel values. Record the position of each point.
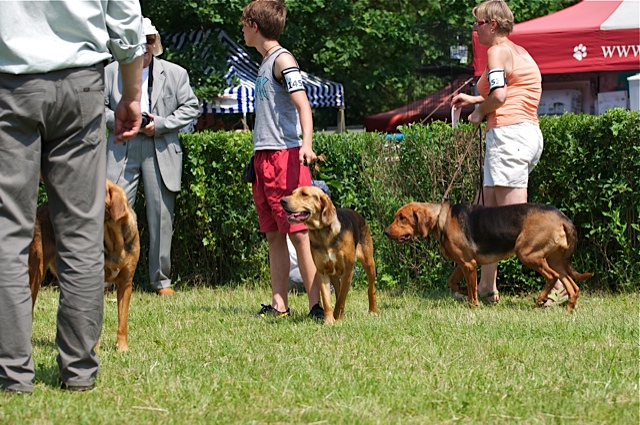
(297, 217)
(403, 238)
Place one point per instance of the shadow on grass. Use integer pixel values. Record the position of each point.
(45, 343)
(439, 297)
(47, 374)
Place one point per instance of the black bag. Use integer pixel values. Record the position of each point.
(249, 174)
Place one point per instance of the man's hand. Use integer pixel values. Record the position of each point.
(127, 119)
(128, 116)
(149, 129)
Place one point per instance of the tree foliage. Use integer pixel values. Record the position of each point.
(385, 52)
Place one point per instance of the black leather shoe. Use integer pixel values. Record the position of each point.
(317, 312)
(12, 391)
(77, 388)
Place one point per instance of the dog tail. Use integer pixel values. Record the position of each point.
(572, 239)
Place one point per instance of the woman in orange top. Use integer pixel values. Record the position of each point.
(509, 93)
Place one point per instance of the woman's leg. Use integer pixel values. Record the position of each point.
(497, 196)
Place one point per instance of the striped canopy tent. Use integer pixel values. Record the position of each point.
(239, 97)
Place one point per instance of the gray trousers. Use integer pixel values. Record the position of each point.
(141, 162)
(52, 124)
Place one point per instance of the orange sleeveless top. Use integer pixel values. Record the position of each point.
(524, 88)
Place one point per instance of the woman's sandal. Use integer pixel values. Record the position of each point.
(556, 297)
(490, 298)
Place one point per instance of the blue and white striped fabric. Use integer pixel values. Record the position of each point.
(240, 98)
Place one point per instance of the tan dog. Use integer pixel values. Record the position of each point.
(338, 237)
(121, 252)
(541, 236)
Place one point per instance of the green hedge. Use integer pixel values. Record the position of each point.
(216, 237)
(590, 169)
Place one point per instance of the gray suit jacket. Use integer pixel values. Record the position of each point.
(174, 107)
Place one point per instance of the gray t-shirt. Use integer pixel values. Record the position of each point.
(277, 121)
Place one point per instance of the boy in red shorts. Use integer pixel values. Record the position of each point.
(280, 154)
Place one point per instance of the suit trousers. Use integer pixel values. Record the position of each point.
(141, 162)
(52, 125)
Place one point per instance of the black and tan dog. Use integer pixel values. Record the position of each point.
(541, 236)
(338, 236)
(121, 252)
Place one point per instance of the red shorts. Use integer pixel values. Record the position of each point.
(278, 173)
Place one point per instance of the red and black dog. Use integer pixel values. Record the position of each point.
(542, 237)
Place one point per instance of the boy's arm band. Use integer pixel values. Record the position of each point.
(292, 79)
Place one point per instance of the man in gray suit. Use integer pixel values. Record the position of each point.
(155, 154)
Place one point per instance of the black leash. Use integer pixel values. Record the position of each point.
(314, 166)
(306, 164)
(480, 167)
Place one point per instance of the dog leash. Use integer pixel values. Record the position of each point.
(445, 100)
(480, 167)
(315, 166)
(306, 164)
(459, 167)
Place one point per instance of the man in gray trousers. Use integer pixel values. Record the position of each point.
(52, 124)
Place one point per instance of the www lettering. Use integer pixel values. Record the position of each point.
(622, 51)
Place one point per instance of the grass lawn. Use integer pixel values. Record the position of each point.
(202, 357)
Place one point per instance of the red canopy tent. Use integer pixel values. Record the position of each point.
(590, 36)
(436, 106)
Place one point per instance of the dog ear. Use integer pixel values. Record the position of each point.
(328, 214)
(425, 220)
(107, 200)
(420, 222)
(116, 202)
